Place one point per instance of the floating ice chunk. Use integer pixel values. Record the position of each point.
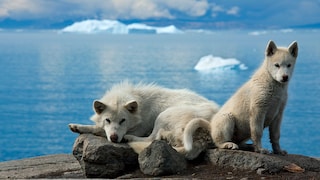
(243, 67)
(141, 28)
(116, 27)
(257, 33)
(168, 30)
(210, 62)
(137, 27)
(286, 30)
(95, 26)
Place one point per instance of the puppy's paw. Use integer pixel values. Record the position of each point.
(280, 152)
(74, 128)
(262, 151)
(230, 145)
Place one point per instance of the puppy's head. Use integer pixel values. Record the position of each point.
(281, 61)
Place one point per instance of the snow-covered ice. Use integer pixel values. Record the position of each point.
(96, 26)
(116, 27)
(210, 63)
(264, 32)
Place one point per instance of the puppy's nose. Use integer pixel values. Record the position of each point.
(285, 78)
(114, 138)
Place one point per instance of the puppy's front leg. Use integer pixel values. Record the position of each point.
(274, 132)
(256, 128)
(91, 129)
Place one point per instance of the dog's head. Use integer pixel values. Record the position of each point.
(116, 118)
(281, 61)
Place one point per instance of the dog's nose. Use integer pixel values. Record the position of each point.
(285, 78)
(114, 138)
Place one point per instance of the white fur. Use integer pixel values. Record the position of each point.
(133, 109)
(190, 129)
(177, 125)
(259, 103)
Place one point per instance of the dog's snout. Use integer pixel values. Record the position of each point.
(285, 78)
(114, 138)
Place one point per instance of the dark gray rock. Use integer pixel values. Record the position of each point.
(52, 166)
(245, 160)
(161, 159)
(308, 163)
(65, 166)
(102, 159)
(262, 163)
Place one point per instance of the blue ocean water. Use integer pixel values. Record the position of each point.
(48, 80)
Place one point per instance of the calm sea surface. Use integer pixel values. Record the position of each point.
(48, 80)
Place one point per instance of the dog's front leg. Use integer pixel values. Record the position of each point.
(91, 129)
(256, 129)
(274, 132)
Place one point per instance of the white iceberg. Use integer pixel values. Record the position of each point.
(141, 28)
(210, 62)
(96, 26)
(136, 27)
(116, 27)
(286, 30)
(258, 33)
(168, 30)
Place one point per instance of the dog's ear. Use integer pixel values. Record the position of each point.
(271, 48)
(99, 107)
(131, 106)
(293, 49)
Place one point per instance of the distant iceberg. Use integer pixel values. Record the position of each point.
(210, 63)
(116, 27)
(96, 26)
(258, 33)
(137, 27)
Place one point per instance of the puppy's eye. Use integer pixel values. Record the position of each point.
(289, 65)
(108, 120)
(122, 121)
(277, 65)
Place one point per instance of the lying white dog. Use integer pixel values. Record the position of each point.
(133, 109)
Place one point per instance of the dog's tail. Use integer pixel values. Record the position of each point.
(139, 146)
(190, 129)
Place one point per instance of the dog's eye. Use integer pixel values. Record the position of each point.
(277, 65)
(108, 120)
(289, 65)
(122, 120)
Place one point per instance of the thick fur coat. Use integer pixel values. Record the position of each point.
(128, 109)
(258, 104)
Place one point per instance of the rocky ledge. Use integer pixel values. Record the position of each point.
(94, 157)
(52, 166)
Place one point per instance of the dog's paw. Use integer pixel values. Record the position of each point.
(230, 145)
(74, 128)
(128, 138)
(280, 152)
(262, 151)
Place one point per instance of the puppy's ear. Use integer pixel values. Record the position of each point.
(131, 106)
(99, 107)
(271, 48)
(293, 49)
